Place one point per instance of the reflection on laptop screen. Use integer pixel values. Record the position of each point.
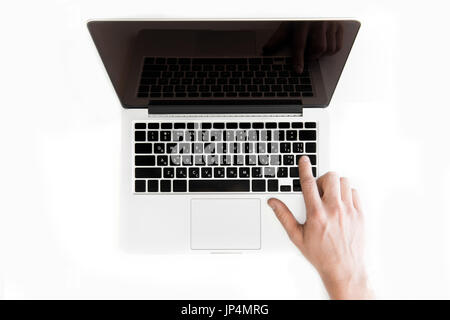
(224, 62)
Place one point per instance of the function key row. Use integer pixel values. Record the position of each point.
(223, 125)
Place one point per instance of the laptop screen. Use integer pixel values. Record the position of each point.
(265, 64)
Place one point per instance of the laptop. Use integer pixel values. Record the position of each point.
(215, 116)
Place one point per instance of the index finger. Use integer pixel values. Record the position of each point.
(300, 36)
(309, 185)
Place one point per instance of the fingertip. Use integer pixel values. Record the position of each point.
(272, 202)
(304, 160)
(299, 68)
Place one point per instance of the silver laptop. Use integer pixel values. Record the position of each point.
(215, 116)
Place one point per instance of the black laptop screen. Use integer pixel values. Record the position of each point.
(270, 64)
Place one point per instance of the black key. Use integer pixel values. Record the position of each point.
(139, 136)
(181, 173)
(285, 188)
(168, 173)
(165, 185)
(166, 125)
(311, 147)
(140, 126)
(297, 125)
(307, 135)
(297, 147)
(313, 159)
(144, 160)
(244, 172)
(152, 185)
(190, 125)
(291, 135)
(244, 125)
(293, 172)
(314, 171)
(256, 172)
(271, 125)
(218, 125)
(288, 160)
(296, 185)
(180, 185)
(207, 172)
(179, 125)
(232, 125)
(285, 147)
(206, 125)
(236, 185)
(219, 172)
(310, 125)
(272, 185)
(258, 185)
(175, 160)
(194, 173)
(153, 125)
(232, 172)
(162, 161)
(172, 148)
(165, 136)
(147, 172)
(152, 136)
(139, 186)
(283, 125)
(159, 148)
(258, 125)
(282, 172)
(143, 148)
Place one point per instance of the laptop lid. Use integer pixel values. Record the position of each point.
(308, 54)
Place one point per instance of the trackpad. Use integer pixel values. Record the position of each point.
(225, 224)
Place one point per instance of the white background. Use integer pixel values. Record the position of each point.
(60, 139)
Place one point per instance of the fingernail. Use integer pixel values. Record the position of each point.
(304, 159)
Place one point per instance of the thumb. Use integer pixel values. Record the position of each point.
(288, 221)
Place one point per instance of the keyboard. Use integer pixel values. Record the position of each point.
(223, 78)
(208, 157)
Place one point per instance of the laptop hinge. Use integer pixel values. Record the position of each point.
(185, 107)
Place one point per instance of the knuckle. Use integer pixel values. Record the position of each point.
(308, 181)
(336, 208)
(344, 180)
(331, 174)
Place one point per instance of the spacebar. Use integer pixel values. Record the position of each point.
(219, 185)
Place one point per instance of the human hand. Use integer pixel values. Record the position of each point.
(332, 236)
(311, 39)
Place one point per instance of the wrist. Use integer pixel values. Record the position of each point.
(351, 286)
